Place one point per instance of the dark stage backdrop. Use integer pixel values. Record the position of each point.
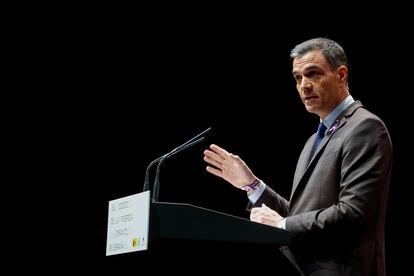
(135, 93)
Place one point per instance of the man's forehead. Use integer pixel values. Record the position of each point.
(315, 56)
(309, 60)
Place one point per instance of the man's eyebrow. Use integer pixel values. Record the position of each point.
(306, 68)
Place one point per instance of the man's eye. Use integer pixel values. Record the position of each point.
(312, 74)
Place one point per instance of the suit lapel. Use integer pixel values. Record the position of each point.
(307, 166)
(307, 162)
(303, 163)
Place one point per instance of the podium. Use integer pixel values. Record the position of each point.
(185, 237)
(179, 221)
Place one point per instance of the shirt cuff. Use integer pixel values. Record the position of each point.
(257, 193)
(281, 224)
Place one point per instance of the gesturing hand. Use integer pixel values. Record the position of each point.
(228, 166)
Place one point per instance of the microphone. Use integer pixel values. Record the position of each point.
(156, 186)
(176, 150)
(160, 159)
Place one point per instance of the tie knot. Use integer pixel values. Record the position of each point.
(319, 136)
(321, 130)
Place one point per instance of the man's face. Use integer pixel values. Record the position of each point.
(320, 88)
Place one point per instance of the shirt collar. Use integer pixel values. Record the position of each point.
(329, 120)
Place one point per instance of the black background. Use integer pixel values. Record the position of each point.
(131, 87)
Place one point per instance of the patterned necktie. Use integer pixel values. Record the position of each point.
(319, 136)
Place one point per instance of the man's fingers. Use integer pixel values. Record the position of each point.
(263, 215)
(212, 161)
(220, 151)
(214, 171)
(213, 155)
(256, 211)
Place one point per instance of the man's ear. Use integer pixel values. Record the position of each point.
(342, 74)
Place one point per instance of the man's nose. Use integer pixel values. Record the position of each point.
(305, 83)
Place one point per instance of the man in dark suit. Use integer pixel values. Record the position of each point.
(337, 206)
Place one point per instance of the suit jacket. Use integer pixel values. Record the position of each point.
(337, 206)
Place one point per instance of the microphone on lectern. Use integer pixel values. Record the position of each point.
(195, 140)
(156, 187)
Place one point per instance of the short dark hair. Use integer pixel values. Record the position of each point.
(332, 51)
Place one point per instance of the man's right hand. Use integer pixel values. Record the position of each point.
(228, 166)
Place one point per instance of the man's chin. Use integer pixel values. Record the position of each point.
(311, 109)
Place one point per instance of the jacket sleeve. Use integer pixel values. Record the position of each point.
(273, 200)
